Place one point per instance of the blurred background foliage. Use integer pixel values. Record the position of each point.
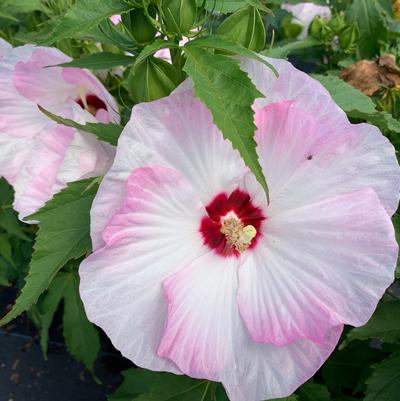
(355, 54)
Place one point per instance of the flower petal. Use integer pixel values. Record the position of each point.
(13, 151)
(205, 336)
(4, 47)
(153, 235)
(80, 77)
(318, 266)
(195, 339)
(19, 117)
(295, 85)
(34, 184)
(304, 13)
(187, 141)
(306, 160)
(57, 156)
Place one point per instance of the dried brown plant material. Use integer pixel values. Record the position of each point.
(370, 76)
(396, 8)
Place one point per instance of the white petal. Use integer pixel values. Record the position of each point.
(154, 234)
(187, 141)
(317, 267)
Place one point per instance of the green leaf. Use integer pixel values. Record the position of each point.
(224, 6)
(369, 15)
(291, 47)
(105, 132)
(219, 43)
(347, 97)
(383, 325)
(144, 385)
(6, 249)
(348, 368)
(229, 94)
(384, 383)
(81, 337)
(98, 61)
(47, 307)
(4, 273)
(356, 104)
(150, 49)
(63, 235)
(85, 15)
(313, 392)
(10, 223)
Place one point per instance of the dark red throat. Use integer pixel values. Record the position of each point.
(238, 202)
(94, 103)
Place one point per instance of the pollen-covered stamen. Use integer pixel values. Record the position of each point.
(237, 234)
(232, 224)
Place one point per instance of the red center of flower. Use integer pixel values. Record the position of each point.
(93, 103)
(233, 223)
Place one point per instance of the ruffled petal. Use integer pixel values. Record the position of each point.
(269, 372)
(19, 117)
(318, 266)
(153, 235)
(25, 82)
(82, 78)
(205, 336)
(57, 156)
(304, 13)
(13, 151)
(38, 174)
(187, 141)
(306, 160)
(295, 85)
(199, 299)
(4, 47)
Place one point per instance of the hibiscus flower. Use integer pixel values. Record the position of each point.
(194, 272)
(304, 13)
(37, 156)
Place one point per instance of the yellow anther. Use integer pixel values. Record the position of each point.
(237, 235)
(248, 233)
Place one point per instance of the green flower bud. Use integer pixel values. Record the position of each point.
(245, 27)
(337, 23)
(348, 38)
(179, 16)
(140, 27)
(319, 29)
(152, 79)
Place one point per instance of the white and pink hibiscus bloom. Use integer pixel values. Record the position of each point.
(304, 13)
(37, 156)
(194, 273)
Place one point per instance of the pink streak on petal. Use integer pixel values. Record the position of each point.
(153, 235)
(143, 189)
(42, 86)
(306, 159)
(320, 266)
(38, 175)
(207, 284)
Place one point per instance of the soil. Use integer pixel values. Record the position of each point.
(26, 376)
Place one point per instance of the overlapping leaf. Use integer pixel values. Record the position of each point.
(63, 235)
